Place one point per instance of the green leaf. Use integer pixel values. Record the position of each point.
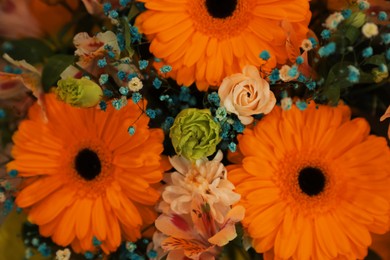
(53, 69)
(336, 81)
(127, 37)
(32, 50)
(352, 34)
(376, 60)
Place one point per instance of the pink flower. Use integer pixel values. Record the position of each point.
(246, 94)
(205, 178)
(91, 49)
(197, 235)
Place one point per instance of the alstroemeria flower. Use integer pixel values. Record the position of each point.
(246, 94)
(197, 235)
(90, 49)
(205, 178)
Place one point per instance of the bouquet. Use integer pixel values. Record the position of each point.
(194, 129)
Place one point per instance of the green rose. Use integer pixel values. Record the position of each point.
(195, 134)
(79, 92)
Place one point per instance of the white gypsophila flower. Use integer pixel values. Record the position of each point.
(286, 103)
(370, 29)
(306, 45)
(63, 254)
(135, 84)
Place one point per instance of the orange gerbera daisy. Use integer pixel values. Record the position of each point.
(86, 176)
(206, 40)
(314, 183)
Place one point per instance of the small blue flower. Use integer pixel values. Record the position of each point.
(131, 76)
(213, 98)
(143, 64)
(96, 241)
(293, 71)
(157, 83)
(385, 38)
(353, 74)
(165, 69)
(311, 85)
(152, 254)
(232, 147)
(88, 255)
(313, 41)
(107, 7)
(346, 13)
(124, 2)
(135, 35)
(121, 75)
(327, 50)
(113, 14)
(44, 250)
(2, 113)
(108, 93)
(8, 206)
(117, 104)
(107, 47)
(103, 79)
(184, 95)
(111, 54)
(382, 16)
(136, 97)
(274, 76)
(301, 105)
(124, 91)
(238, 126)
(121, 41)
(151, 113)
(166, 125)
(102, 63)
(221, 113)
(103, 105)
(131, 130)
(388, 54)
(8, 69)
(157, 59)
(363, 5)
(299, 60)
(265, 55)
(325, 34)
(13, 173)
(367, 52)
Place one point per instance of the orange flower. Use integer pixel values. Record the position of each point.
(205, 41)
(85, 175)
(314, 183)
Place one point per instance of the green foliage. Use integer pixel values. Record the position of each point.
(53, 69)
(32, 50)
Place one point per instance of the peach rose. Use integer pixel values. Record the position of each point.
(246, 94)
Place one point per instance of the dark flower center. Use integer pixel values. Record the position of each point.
(87, 164)
(221, 8)
(311, 181)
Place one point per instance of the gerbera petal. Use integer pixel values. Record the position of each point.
(50, 207)
(34, 192)
(84, 209)
(99, 222)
